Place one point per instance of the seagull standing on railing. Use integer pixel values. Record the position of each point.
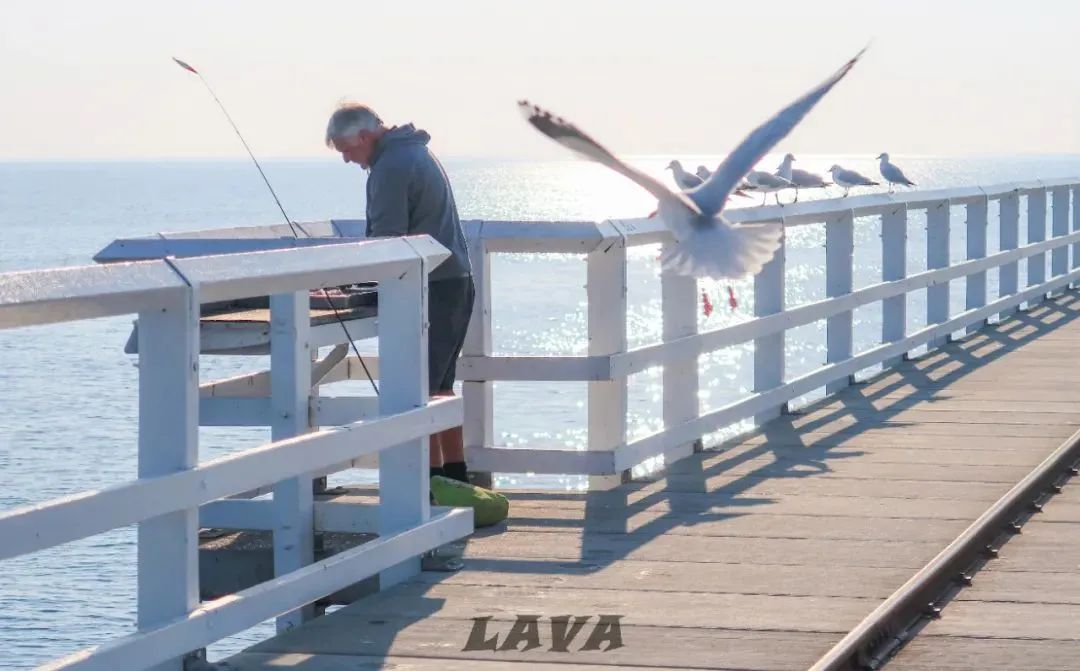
(685, 180)
(849, 178)
(802, 179)
(706, 244)
(892, 174)
(767, 183)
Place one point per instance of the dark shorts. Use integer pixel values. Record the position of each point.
(450, 304)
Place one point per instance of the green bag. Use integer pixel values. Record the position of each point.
(488, 507)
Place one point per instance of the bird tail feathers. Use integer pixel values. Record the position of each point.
(724, 250)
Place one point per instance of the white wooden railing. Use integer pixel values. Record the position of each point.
(609, 362)
(172, 483)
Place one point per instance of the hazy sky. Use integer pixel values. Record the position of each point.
(93, 79)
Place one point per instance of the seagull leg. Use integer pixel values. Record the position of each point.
(764, 198)
(796, 195)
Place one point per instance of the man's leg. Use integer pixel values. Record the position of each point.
(435, 458)
(452, 448)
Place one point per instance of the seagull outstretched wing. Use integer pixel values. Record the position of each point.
(711, 196)
(576, 140)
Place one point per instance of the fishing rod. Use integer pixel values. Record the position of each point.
(292, 226)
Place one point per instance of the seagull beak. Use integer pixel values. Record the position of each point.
(652, 214)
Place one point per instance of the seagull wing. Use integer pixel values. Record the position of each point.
(894, 174)
(711, 195)
(574, 139)
(854, 178)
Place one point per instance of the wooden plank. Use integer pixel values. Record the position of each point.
(758, 525)
(995, 584)
(702, 577)
(927, 653)
(653, 609)
(432, 641)
(253, 661)
(990, 619)
(604, 548)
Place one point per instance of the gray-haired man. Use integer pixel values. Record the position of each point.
(408, 194)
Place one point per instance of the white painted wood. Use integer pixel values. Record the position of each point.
(479, 428)
(1036, 211)
(839, 251)
(607, 401)
(168, 544)
(223, 278)
(642, 358)
(1075, 226)
(536, 368)
(769, 357)
(403, 469)
(66, 519)
(1059, 258)
(749, 406)
(247, 608)
(85, 292)
(937, 256)
(894, 267)
(141, 249)
(977, 221)
(342, 410)
(679, 304)
(290, 383)
(1009, 238)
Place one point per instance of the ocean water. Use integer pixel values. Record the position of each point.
(68, 396)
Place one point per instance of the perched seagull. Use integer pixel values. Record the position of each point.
(892, 174)
(849, 178)
(684, 179)
(706, 244)
(703, 172)
(767, 183)
(800, 178)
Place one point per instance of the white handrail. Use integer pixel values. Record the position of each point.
(479, 367)
(172, 485)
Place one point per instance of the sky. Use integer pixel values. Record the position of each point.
(94, 80)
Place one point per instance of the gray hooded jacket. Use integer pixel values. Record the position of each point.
(408, 194)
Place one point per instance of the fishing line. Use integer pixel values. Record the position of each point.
(292, 226)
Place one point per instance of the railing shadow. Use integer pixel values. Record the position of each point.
(778, 450)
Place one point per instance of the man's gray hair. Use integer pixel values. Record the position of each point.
(350, 119)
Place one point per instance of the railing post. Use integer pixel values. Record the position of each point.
(168, 550)
(839, 260)
(679, 295)
(1036, 264)
(977, 214)
(404, 483)
(1075, 226)
(894, 267)
(606, 293)
(769, 350)
(290, 384)
(1009, 275)
(478, 397)
(1059, 258)
(937, 256)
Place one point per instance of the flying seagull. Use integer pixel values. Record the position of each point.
(849, 178)
(684, 179)
(800, 178)
(707, 245)
(892, 174)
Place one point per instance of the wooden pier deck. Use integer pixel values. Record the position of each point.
(763, 554)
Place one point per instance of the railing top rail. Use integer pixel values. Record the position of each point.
(86, 292)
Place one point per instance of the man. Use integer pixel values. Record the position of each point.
(408, 193)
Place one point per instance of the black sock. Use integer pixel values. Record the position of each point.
(456, 470)
(436, 470)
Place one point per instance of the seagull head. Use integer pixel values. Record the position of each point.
(789, 157)
(883, 157)
(674, 165)
(835, 168)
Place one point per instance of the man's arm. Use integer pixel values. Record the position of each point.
(388, 199)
